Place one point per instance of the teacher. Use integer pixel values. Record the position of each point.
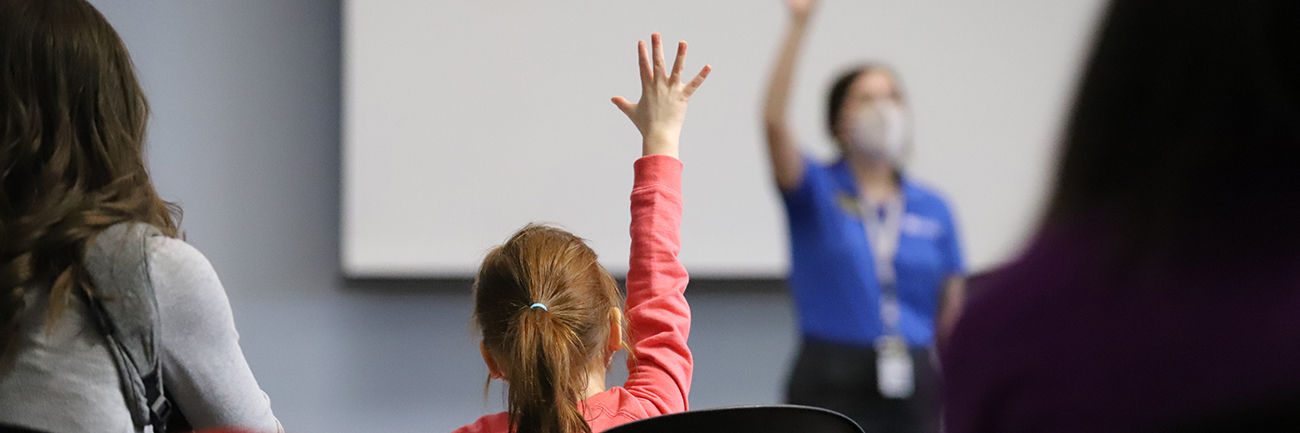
(876, 267)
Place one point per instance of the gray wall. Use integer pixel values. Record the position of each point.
(245, 136)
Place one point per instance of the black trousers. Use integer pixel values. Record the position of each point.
(843, 379)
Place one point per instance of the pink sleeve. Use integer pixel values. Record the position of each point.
(659, 320)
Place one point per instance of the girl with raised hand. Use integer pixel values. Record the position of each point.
(550, 313)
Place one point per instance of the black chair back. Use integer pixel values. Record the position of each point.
(1273, 415)
(748, 419)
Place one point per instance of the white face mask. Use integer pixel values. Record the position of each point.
(882, 130)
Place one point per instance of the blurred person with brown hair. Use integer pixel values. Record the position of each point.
(1162, 289)
(552, 317)
(876, 269)
(72, 173)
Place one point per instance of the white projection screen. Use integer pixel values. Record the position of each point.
(465, 120)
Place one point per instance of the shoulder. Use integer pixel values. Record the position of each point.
(1022, 302)
(925, 196)
(498, 422)
(616, 403)
(835, 168)
(819, 178)
(1020, 323)
(927, 210)
(184, 278)
(173, 254)
(614, 407)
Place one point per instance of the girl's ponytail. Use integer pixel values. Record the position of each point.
(547, 378)
(545, 307)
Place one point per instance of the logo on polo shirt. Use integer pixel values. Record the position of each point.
(911, 225)
(918, 226)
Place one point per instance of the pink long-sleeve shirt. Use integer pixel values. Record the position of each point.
(659, 319)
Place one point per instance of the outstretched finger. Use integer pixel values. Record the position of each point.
(679, 63)
(647, 77)
(695, 83)
(624, 105)
(657, 44)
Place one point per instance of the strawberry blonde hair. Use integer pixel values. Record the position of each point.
(545, 353)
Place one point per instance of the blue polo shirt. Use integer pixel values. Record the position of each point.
(832, 271)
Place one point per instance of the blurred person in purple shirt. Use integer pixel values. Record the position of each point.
(1162, 290)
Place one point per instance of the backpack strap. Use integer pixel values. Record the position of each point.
(124, 308)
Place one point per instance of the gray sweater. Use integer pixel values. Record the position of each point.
(64, 379)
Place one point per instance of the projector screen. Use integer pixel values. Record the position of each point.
(465, 120)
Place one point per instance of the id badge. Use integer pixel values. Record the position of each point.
(894, 368)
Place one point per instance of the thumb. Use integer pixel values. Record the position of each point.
(623, 104)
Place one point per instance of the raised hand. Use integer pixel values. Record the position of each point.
(801, 8)
(661, 111)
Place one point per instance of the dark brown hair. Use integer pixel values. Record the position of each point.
(1186, 128)
(71, 150)
(840, 92)
(545, 354)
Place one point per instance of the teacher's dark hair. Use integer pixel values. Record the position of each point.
(1186, 128)
(71, 151)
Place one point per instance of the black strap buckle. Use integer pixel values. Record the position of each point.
(160, 411)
